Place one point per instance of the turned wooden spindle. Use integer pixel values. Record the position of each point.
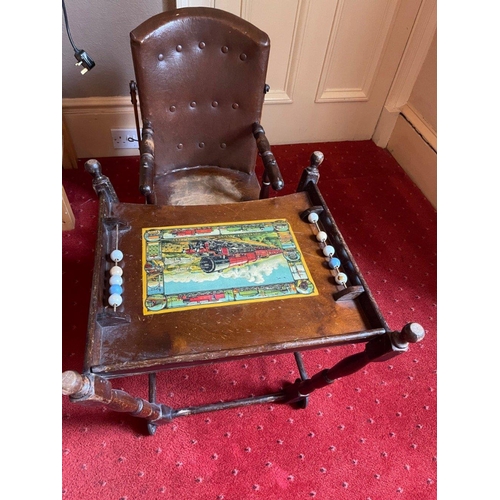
(311, 172)
(102, 185)
(377, 349)
(272, 176)
(147, 170)
(90, 389)
(72, 383)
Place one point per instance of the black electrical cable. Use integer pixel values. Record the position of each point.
(67, 27)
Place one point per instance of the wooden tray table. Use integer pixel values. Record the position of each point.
(127, 340)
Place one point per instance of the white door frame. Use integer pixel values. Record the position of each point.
(420, 40)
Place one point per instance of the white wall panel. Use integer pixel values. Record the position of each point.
(285, 28)
(358, 37)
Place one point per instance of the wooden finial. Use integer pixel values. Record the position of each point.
(72, 382)
(93, 167)
(411, 333)
(317, 159)
(101, 183)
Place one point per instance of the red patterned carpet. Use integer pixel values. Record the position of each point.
(369, 436)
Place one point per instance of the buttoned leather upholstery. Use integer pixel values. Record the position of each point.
(201, 76)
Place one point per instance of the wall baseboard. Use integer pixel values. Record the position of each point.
(420, 125)
(89, 122)
(417, 158)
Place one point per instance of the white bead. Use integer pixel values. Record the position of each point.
(312, 218)
(116, 271)
(116, 280)
(341, 278)
(115, 300)
(321, 236)
(328, 251)
(116, 255)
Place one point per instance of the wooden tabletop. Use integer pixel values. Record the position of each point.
(130, 342)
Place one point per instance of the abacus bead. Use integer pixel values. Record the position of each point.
(341, 278)
(115, 289)
(334, 263)
(116, 255)
(328, 251)
(321, 236)
(116, 280)
(312, 218)
(115, 300)
(116, 271)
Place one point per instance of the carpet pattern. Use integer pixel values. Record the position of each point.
(369, 436)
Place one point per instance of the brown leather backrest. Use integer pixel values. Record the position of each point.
(201, 74)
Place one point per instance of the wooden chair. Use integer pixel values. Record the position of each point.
(201, 84)
(200, 80)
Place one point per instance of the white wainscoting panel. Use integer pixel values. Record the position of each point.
(358, 37)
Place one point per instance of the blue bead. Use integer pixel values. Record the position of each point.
(334, 263)
(115, 289)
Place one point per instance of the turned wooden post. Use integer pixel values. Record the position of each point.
(272, 176)
(101, 183)
(147, 168)
(92, 390)
(311, 173)
(378, 349)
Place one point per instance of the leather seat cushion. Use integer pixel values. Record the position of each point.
(205, 185)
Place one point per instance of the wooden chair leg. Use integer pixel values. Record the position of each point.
(378, 349)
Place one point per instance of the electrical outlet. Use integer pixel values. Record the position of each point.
(124, 138)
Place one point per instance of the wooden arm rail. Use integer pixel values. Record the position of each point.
(146, 180)
(272, 171)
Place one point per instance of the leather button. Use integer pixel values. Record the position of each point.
(223, 145)
(225, 49)
(202, 45)
(180, 146)
(201, 145)
(178, 48)
(215, 104)
(172, 108)
(160, 57)
(193, 104)
(243, 57)
(235, 105)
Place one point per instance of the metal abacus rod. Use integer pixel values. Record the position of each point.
(328, 251)
(115, 298)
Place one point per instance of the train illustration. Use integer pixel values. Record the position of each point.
(190, 298)
(192, 231)
(218, 254)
